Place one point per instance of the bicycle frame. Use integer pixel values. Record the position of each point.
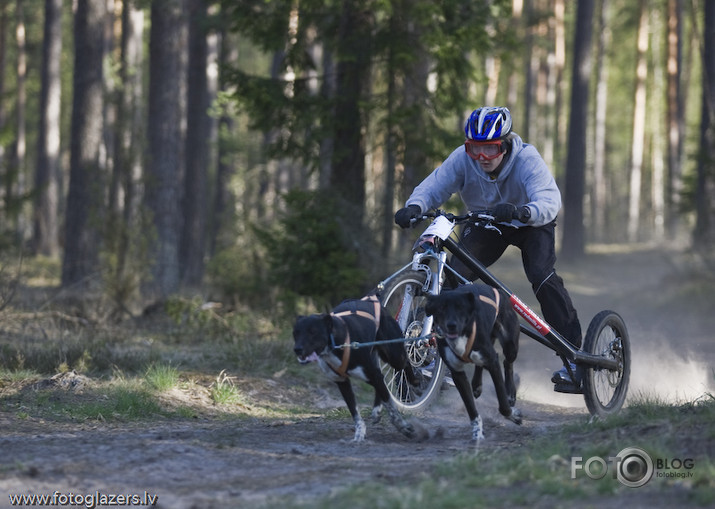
(536, 327)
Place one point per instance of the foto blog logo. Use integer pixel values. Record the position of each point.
(633, 467)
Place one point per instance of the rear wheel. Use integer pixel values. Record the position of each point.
(605, 390)
(404, 298)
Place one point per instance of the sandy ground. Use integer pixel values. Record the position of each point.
(231, 462)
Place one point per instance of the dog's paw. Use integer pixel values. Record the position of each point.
(477, 391)
(360, 431)
(477, 431)
(515, 416)
(376, 414)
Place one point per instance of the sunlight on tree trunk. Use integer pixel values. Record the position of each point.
(676, 115)
(46, 206)
(657, 215)
(15, 196)
(639, 117)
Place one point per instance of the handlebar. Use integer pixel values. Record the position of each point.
(484, 216)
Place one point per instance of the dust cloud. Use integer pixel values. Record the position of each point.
(659, 373)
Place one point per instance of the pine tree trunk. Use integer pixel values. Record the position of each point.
(195, 203)
(598, 193)
(3, 59)
(84, 205)
(574, 238)
(656, 109)
(164, 170)
(16, 179)
(639, 117)
(704, 234)
(46, 224)
(125, 197)
(227, 55)
(388, 189)
(353, 73)
(676, 116)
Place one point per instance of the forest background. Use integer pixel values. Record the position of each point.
(258, 149)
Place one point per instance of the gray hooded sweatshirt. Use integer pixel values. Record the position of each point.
(523, 180)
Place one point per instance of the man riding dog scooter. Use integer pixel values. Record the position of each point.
(496, 170)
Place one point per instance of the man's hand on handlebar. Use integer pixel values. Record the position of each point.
(505, 212)
(404, 218)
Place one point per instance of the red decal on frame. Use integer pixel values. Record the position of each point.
(541, 326)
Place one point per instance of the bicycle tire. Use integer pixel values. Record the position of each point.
(605, 390)
(422, 353)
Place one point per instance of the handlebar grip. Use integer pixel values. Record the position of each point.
(417, 220)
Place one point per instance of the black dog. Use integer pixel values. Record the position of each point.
(327, 338)
(471, 318)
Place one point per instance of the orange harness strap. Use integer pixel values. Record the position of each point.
(374, 317)
(343, 369)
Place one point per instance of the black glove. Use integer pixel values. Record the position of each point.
(504, 212)
(405, 215)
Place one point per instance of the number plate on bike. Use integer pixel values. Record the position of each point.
(440, 227)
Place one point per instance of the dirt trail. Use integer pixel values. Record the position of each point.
(218, 464)
(244, 462)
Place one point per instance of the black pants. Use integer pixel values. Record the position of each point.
(538, 254)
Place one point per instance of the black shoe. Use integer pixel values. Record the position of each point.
(563, 376)
(563, 380)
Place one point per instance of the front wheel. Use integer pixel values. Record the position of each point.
(404, 298)
(605, 390)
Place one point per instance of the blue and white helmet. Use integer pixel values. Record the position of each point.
(488, 123)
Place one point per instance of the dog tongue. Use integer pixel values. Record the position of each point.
(313, 357)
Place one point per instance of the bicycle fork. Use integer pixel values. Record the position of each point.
(433, 282)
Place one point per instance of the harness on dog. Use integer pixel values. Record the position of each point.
(342, 371)
(470, 341)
